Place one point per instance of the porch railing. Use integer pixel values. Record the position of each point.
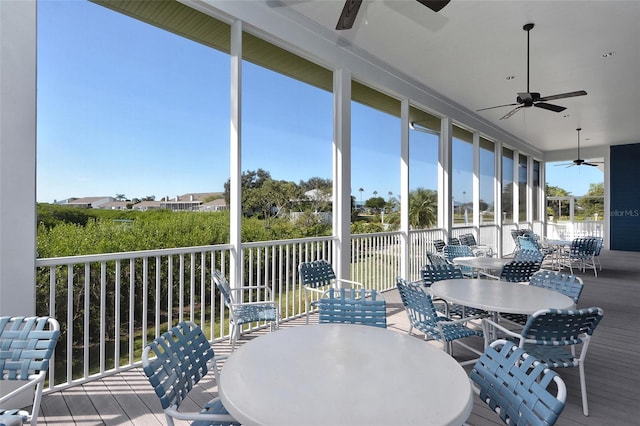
(110, 305)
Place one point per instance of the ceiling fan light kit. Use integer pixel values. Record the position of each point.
(528, 99)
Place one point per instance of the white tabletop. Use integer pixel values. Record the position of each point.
(481, 262)
(500, 296)
(558, 242)
(338, 374)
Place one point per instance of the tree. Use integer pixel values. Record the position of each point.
(249, 180)
(593, 200)
(423, 208)
(316, 183)
(361, 191)
(120, 197)
(375, 203)
(554, 208)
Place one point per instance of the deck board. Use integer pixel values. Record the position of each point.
(611, 371)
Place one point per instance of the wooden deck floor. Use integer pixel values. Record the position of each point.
(611, 370)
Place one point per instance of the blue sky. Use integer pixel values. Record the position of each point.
(126, 108)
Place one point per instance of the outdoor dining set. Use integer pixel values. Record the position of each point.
(516, 322)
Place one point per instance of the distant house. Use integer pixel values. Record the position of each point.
(87, 202)
(215, 206)
(116, 205)
(147, 205)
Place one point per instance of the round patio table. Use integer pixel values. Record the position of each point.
(343, 374)
(500, 296)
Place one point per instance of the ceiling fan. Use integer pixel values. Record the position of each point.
(579, 161)
(351, 7)
(529, 99)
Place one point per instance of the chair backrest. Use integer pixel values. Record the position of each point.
(417, 303)
(528, 242)
(583, 248)
(353, 306)
(181, 356)
(223, 286)
(318, 273)
(438, 245)
(516, 386)
(516, 271)
(453, 251)
(432, 273)
(454, 241)
(524, 255)
(599, 244)
(26, 346)
(436, 259)
(569, 285)
(557, 327)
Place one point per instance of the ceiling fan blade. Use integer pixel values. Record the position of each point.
(565, 164)
(348, 15)
(510, 113)
(497, 106)
(435, 5)
(563, 95)
(550, 107)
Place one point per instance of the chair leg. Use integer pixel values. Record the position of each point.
(583, 391)
(233, 336)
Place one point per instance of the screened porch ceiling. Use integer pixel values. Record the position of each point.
(472, 54)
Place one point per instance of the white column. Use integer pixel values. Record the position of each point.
(235, 155)
(476, 184)
(404, 187)
(17, 166)
(445, 210)
(497, 197)
(342, 172)
(17, 157)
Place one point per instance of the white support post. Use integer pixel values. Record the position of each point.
(445, 210)
(342, 173)
(404, 187)
(235, 157)
(17, 157)
(476, 184)
(17, 167)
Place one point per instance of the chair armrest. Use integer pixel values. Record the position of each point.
(486, 323)
(33, 380)
(195, 415)
(353, 283)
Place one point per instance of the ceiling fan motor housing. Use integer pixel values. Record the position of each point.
(527, 98)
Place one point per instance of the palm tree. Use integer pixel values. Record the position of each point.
(423, 208)
(120, 197)
(361, 191)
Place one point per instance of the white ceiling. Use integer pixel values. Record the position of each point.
(468, 49)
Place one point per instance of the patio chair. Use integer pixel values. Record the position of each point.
(241, 312)
(519, 272)
(26, 346)
(174, 363)
(424, 316)
(569, 285)
(478, 250)
(454, 241)
(596, 254)
(581, 254)
(554, 336)
(317, 277)
(438, 245)
(517, 386)
(353, 306)
(433, 273)
(437, 259)
(526, 255)
(452, 251)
